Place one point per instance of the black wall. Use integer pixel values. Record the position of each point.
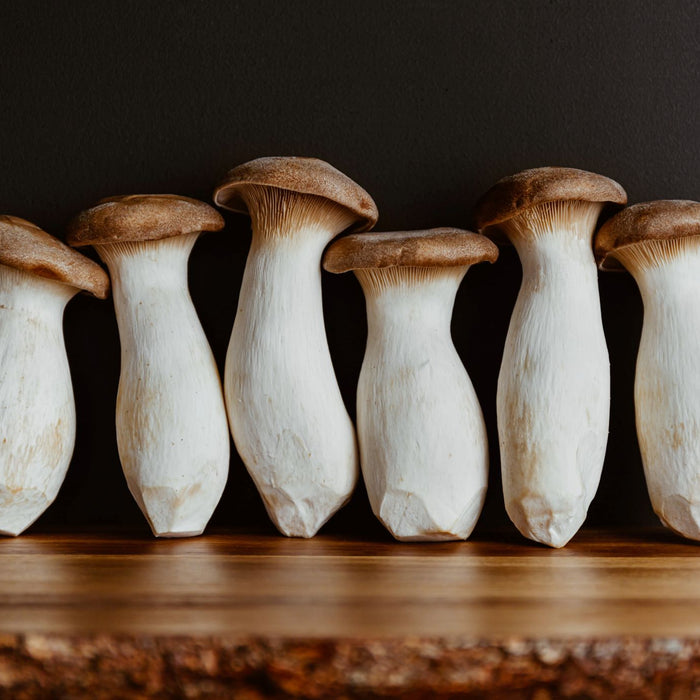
(425, 104)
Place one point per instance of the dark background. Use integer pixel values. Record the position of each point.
(425, 104)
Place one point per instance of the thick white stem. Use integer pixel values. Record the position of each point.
(37, 410)
(422, 436)
(667, 388)
(554, 385)
(172, 432)
(287, 415)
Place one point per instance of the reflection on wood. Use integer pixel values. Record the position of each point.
(343, 617)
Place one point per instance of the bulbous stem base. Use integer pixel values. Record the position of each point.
(172, 432)
(422, 436)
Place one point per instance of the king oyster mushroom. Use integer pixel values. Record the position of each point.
(423, 444)
(172, 432)
(659, 243)
(553, 400)
(285, 409)
(38, 276)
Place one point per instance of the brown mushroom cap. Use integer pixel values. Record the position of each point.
(509, 196)
(302, 175)
(661, 220)
(142, 217)
(436, 247)
(26, 247)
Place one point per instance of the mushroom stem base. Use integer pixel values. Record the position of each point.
(19, 509)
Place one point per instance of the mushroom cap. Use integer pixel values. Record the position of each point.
(661, 220)
(303, 176)
(435, 247)
(26, 247)
(511, 195)
(141, 217)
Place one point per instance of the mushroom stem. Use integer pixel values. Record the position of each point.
(667, 383)
(554, 385)
(171, 423)
(422, 436)
(287, 416)
(37, 410)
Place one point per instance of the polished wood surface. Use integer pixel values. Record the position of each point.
(604, 584)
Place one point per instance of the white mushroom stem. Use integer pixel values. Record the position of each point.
(422, 436)
(554, 385)
(286, 412)
(37, 410)
(667, 384)
(171, 420)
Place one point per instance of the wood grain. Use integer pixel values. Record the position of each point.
(601, 585)
(253, 616)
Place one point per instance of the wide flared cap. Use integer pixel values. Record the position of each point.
(660, 220)
(309, 176)
(142, 217)
(26, 247)
(437, 247)
(516, 193)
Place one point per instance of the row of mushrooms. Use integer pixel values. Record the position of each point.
(421, 439)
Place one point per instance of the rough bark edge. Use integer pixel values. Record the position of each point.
(102, 666)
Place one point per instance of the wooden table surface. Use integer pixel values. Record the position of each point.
(324, 609)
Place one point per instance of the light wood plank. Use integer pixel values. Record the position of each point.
(602, 585)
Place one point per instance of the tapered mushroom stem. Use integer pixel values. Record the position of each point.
(170, 427)
(553, 399)
(172, 432)
(554, 385)
(422, 436)
(667, 384)
(38, 276)
(659, 243)
(286, 413)
(37, 411)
